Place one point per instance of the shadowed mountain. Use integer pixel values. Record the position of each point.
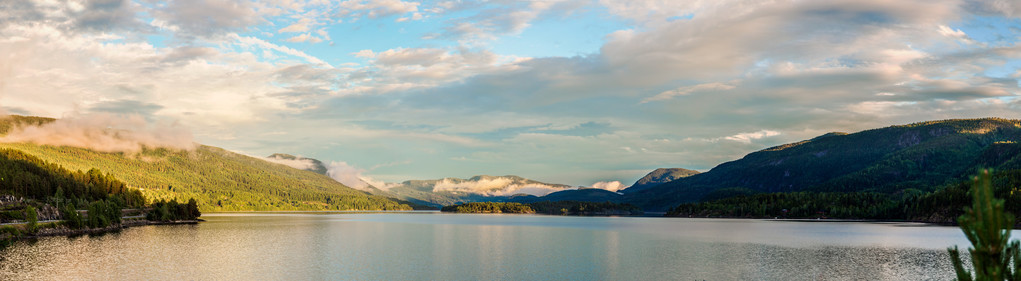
(921, 156)
(659, 176)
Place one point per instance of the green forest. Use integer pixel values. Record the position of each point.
(219, 180)
(30, 177)
(941, 206)
(93, 200)
(489, 208)
(582, 208)
(926, 157)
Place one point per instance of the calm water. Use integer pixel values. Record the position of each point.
(433, 246)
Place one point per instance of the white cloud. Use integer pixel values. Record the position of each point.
(690, 89)
(299, 163)
(495, 186)
(378, 8)
(353, 177)
(404, 69)
(206, 17)
(415, 16)
(505, 18)
(748, 137)
(609, 185)
(259, 43)
(364, 54)
(304, 38)
(298, 27)
(658, 11)
(106, 133)
(956, 34)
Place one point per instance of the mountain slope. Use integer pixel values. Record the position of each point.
(218, 179)
(659, 176)
(923, 156)
(23, 175)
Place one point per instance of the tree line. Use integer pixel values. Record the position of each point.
(83, 200)
(30, 177)
(940, 206)
(489, 207)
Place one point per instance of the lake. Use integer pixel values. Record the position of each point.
(439, 246)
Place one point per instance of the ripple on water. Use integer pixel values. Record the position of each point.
(447, 247)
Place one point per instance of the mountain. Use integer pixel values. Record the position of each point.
(919, 157)
(658, 176)
(482, 188)
(218, 179)
(298, 162)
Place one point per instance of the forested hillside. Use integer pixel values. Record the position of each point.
(217, 179)
(942, 206)
(657, 177)
(923, 156)
(42, 198)
(27, 176)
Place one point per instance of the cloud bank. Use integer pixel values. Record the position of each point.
(107, 133)
(609, 185)
(495, 186)
(297, 163)
(353, 177)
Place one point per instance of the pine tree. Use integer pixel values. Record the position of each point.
(32, 217)
(987, 226)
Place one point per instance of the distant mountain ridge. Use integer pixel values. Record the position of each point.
(921, 156)
(659, 176)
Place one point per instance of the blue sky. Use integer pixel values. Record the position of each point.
(562, 91)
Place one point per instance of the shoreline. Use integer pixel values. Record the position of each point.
(64, 231)
(323, 211)
(891, 221)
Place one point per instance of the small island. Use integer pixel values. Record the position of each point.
(570, 208)
(489, 208)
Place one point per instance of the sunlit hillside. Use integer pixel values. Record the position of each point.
(218, 179)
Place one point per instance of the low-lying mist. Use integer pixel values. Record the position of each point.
(499, 186)
(105, 132)
(299, 163)
(353, 177)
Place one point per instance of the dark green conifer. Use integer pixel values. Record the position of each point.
(987, 226)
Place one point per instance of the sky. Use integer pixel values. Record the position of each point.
(561, 91)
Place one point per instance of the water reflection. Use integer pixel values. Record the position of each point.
(434, 246)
